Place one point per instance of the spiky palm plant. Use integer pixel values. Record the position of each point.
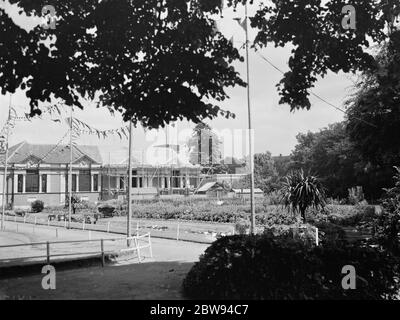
(300, 192)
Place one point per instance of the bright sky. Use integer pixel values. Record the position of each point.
(275, 127)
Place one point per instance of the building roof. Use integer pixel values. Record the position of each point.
(205, 187)
(51, 153)
(209, 186)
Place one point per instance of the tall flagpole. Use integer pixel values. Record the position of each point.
(70, 173)
(252, 212)
(128, 227)
(5, 168)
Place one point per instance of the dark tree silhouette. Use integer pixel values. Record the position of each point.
(155, 61)
(313, 30)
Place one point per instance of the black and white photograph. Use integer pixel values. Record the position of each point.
(199, 156)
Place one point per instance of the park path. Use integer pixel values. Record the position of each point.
(159, 277)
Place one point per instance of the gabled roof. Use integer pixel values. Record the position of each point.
(209, 186)
(205, 187)
(51, 154)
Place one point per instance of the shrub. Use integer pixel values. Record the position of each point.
(242, 226)
(107, 210)
(20, 212)
(356, 195)
(273, 198)
(300, 192)
(387, 224)
(37, 206)
(261, 267)
(330, 232)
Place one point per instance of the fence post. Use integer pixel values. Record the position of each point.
(35, 220)
(108, 226)
(316, 237)
(90, 235)
(17, 227)
(177, 233)
(102, 252)
(48, 252)
(24, 219)
(137, 247)
(151, 249)
(56, 232)
(65, 223)
(83, 224)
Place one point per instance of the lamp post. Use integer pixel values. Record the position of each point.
(128, 228)
(70, 173)
(252, 212)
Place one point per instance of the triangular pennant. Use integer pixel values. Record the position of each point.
(243, 23)
(222, 5)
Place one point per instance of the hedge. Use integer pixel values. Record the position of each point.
(262, 267)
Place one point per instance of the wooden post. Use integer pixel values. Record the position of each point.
(48, 252)
(56, 232)
(177, 233)
(24, 218)
(35, 220)
(108, 226)
(316, 237)
(102, 252)
(17, 227)
(151, 249)
(137, 247)
(83, 224)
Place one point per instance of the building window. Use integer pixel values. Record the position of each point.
(134, 179)
(44, 183)
(84, 181)
(121, 183)
(140, 182)
(32, 181)
(95, 182)
(20, 183)
(175, 179)
(74, 182)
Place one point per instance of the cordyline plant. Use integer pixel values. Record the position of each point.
(301, 192)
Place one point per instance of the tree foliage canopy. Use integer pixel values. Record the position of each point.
(334, 157)
(155, 61)
(313, 30)
(374, 109)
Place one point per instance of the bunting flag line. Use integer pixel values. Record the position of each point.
(79, 126)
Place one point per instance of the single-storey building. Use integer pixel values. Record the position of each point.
(215, 190)
(40, 172)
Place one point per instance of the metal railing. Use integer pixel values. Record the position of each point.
(99, 252)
